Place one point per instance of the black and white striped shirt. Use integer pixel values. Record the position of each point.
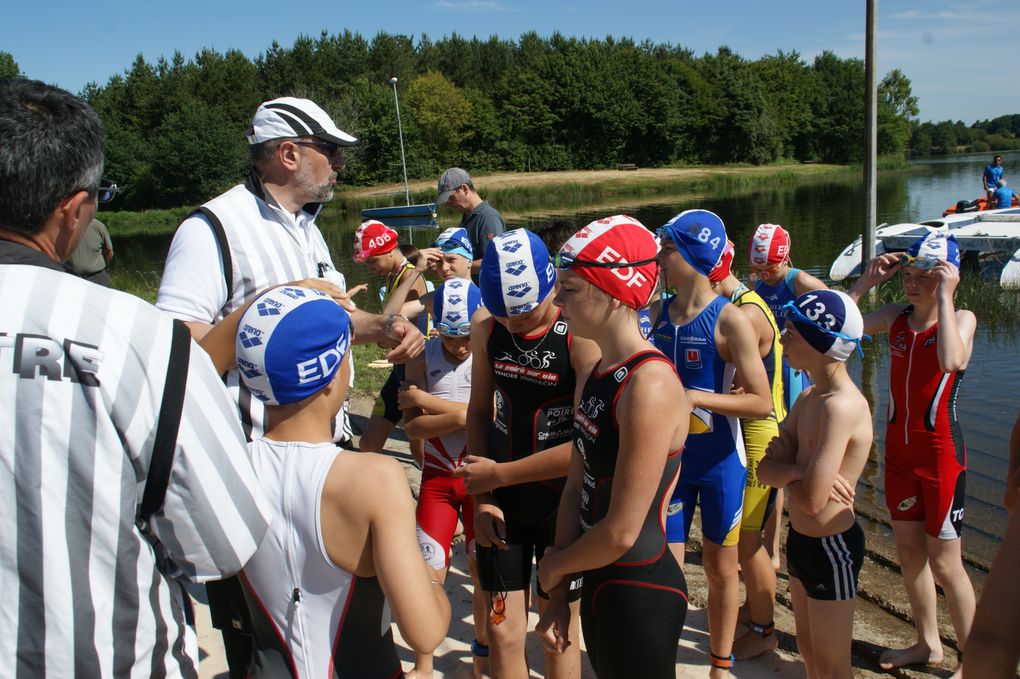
(268, 246)
(84, 374)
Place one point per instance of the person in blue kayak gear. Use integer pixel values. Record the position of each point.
(991, 176)
(1003, 195)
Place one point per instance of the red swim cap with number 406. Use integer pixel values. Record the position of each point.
(373, 238)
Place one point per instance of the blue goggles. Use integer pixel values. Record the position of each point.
(923, 262)
(460, 330)
(790, 312)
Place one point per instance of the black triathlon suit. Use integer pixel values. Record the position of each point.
(534, 390)
(633, 610)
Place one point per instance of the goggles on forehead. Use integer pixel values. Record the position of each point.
(790, 312)
(450, 245)
(459, 330)
(922, 262)
(562, 261)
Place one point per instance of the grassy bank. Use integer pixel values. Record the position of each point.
(521, 192)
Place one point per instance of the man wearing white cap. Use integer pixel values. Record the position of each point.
(482, 221)
(259, 234)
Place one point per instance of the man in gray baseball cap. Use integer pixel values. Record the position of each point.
(482, 221)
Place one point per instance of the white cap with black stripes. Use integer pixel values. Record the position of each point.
(289, 117)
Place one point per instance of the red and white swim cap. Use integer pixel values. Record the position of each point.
(600, 253)
(722, 269)
(770, 245)
(373, 238)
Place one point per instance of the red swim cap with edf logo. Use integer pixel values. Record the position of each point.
(616, 240)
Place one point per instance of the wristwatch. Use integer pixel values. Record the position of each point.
(390, 320)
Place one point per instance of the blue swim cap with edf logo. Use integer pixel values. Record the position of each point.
(516, 273)
(290, 343)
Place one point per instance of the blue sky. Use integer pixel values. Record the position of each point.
(957, 55)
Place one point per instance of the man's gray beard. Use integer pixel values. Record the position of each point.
(315, 193)
(323, 193)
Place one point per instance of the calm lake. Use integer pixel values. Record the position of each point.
(823, 216)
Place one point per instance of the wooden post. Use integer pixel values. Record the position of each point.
(871, 142)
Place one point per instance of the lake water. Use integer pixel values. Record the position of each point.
(823, 216)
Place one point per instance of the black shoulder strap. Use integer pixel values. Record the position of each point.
(221, 240)
(169, 422)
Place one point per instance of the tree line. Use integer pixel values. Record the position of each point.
(175, 127)
(997, 134)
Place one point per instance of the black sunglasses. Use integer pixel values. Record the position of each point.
(327, 147)
(106, 191)
(561, 261)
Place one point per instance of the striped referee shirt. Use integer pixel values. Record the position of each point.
(268, 246)
(85, 374)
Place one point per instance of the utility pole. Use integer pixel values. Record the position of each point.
(400, 133)
(871, 141)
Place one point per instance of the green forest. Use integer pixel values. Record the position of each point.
(175, 128)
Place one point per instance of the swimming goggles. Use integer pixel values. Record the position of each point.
(922, 262)
(459, 330)
(449, 245)
(790, 312)
(562, 261)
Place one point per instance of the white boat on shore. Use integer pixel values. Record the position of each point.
(991, 234)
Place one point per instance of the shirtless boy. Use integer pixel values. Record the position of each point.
(818, 457)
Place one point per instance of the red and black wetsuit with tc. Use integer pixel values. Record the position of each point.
(534, 390)
(633, 610)
(926, 459)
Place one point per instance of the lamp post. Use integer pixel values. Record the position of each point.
(400, 132)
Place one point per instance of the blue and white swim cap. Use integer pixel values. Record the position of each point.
(699, 236)
(829, 321)
(928, 250)
(290, 343)
(453, 305)
(516, 274)
(455, 241)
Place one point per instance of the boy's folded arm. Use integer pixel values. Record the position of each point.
(824, 464)
(778, 474)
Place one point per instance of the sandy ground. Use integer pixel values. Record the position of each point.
(874, 627)
(588, 177)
